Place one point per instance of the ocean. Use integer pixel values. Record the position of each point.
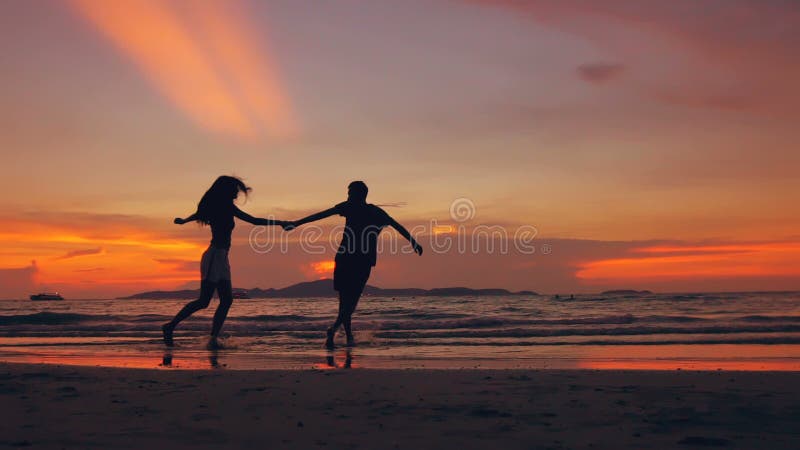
(702, 331)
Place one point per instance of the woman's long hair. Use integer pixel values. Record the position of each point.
(217, 202)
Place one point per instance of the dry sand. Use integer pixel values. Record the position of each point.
(45, 406)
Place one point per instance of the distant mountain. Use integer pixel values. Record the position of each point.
(324, 288)
(625, 292)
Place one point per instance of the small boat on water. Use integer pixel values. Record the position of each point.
(47, 296)
(240, 293)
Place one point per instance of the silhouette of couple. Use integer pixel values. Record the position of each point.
(354, 259)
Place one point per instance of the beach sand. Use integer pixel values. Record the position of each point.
(49, 406)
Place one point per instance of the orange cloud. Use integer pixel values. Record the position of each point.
(195, 77)
(697, 262)
(122, 250)
(443, 229)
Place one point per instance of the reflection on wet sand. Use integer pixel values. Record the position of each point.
(166, 360)
(213, 360)
(342, 360)
(738, 357)
(345, 360)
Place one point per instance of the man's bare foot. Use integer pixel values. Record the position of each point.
(329, 340)
(167, 330)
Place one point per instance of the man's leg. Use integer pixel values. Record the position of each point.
(352, 302)
(339, 319)
(359, 278)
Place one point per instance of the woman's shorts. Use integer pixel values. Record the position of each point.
(214, 265)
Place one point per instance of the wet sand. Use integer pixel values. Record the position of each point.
(48, 406)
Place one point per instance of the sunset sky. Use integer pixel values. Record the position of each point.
(652, 144)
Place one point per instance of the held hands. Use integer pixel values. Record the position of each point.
(285, 224)
(178, 221)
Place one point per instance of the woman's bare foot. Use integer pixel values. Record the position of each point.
(167, 330)
(329, 340)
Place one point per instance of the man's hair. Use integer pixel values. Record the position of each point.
(359, 188)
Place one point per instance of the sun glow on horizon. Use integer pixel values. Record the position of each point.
(698, 261)
(323, 268)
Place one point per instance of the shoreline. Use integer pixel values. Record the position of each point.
(192, 355)
(83, 407)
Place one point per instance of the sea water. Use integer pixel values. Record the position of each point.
(705, 331)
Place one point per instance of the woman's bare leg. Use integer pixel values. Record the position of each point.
(225, 291)
(206, 292)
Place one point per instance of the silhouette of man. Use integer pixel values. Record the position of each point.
(357, 252)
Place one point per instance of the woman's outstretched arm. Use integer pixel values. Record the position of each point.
(179, 221)
(256, 220)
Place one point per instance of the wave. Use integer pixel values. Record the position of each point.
(275, 318)
(255, 342)
(48, 318)
(770, 319)
(409, 320)
(394, 332)
(695, 341)
(550, 332)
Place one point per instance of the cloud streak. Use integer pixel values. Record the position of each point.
(82, 252)
(188, 265)
(207, 64)
(600, 72)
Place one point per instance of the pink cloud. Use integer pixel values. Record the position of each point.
(713, 54)
(600, 72)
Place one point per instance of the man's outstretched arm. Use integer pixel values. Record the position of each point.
(403, 232)
(314, 217)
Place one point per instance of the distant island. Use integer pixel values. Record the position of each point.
(625, 292)
(324, 288)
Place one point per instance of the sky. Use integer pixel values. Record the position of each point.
(649, 144)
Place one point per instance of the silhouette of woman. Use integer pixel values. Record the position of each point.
(216, 209)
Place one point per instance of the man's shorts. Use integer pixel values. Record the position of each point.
(350, 275)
